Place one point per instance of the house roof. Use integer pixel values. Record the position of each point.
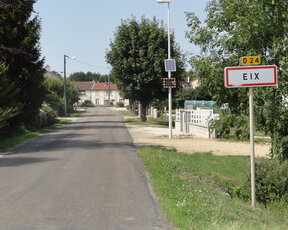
(84, 85)
(103, 86)
(92, 85)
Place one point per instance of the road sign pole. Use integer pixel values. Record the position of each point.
(252, 146)
(169, 76)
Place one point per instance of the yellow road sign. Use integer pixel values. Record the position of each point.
(250, 60)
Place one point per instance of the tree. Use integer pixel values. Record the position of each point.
(89, 76)
(137, 58)
(55, 96)
(9, 107)
(20, 52)
(240, 28)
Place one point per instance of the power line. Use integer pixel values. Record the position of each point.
(84, 63)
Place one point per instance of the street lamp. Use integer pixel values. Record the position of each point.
(65, 97)
(169, 71)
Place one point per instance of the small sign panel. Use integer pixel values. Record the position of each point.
(170, 65)
(169, 82)
(250, 60)
(250, 76)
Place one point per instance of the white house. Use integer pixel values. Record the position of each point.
(98, 92)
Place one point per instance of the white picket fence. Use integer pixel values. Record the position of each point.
(196, 117)
(196, 122)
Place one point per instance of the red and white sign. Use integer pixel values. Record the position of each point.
(251, 76)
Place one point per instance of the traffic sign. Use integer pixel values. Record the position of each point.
(250, 60)
(170, 65)
(169, 82)
(250, 76)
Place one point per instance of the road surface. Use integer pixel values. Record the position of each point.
(84, 176)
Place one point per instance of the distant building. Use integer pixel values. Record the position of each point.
(52, 74)
(191, 83)
(98, 93)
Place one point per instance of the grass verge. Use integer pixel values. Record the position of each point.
(11, 142)
(191, 190)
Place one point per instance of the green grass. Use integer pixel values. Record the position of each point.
(76, 114)
(127, 113)
(190, 203)
(11, 142)
(156, 122)
(233, 138)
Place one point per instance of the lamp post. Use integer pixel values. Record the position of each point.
(169, 72)
(65, 97)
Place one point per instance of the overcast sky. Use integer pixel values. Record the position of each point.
(84, 28)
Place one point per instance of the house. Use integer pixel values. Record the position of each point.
(99, 93)
(52, 74)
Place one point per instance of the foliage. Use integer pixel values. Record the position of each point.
(46, 116)
(55, 96)
(11, 142)
(9, 107)
(240, 28)
(88, 103)
(192, 195)
(136, 56)
(89, 76)
(199, 93)
(20, 52)
(232, 124)
(271, 185)
(120, 104)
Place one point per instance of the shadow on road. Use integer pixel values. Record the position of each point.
(18, 161)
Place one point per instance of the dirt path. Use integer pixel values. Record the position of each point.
(158, 136)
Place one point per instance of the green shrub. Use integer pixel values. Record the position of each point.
(271, 180)
(120, 104)
(46, 116)
(232, 125)
(88, 103)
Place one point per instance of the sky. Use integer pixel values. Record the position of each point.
(85, 28)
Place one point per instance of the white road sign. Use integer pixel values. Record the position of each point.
(251, 76)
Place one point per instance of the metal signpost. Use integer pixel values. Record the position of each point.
(251, 76)
(170, 66)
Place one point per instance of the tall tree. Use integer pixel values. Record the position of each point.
(239, 28)
(89, 76)
(20, 52)
(9, 106)
(137, 58)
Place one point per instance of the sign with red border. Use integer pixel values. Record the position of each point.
(169, 82)
(250, 76)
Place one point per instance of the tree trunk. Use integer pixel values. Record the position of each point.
(132, 105)
(143, 117)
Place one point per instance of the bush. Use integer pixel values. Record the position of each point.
(46, 116)
(271, 180)
(232, 125)
(88, 103)
(120, 104)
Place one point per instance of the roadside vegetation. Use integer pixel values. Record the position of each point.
(136, 55)
(13, 141)
(224, 37)
(162, 121)
(29, 100)
(207, 192)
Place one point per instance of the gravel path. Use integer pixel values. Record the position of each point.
(159, 136)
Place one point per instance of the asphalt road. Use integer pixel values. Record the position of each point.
(84, 176)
